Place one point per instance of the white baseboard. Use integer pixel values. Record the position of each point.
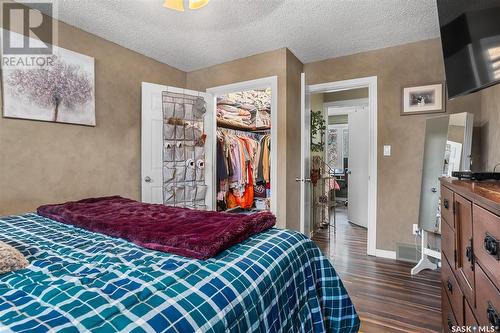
(385, 254)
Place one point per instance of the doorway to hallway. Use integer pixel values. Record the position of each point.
(347, 153)
(314, 214)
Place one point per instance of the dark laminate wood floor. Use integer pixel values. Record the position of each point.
(386, 296)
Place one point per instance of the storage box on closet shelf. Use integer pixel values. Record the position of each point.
(183, 151)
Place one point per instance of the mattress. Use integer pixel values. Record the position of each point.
(78, 281)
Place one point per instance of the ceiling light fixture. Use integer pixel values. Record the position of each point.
(178, 5)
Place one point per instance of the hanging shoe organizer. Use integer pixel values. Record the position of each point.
(183, 151)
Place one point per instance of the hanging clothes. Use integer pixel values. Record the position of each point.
(264, 163)
(242, 157)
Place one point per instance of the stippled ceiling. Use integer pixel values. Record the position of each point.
(230, 29)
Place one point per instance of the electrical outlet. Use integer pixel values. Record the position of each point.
(416, 230)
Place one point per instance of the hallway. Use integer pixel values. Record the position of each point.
(386, 296)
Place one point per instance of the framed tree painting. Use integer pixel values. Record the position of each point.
(62, 90)
(424, 99)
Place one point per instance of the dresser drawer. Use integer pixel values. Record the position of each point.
(448, 244)
(448, 319)
(486, 242)
(469, 318)
(465, 257)
(453, 291)
(447, 206)
(487, 300)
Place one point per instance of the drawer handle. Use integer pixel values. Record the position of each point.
(469, 253)
(493, 316)
(449, 285)
(446, 203)
(491, 245)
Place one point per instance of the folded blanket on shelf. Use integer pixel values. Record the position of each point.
(241, 116)
(250, 108)
(181, 231)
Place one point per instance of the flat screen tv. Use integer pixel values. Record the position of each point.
(470, 36)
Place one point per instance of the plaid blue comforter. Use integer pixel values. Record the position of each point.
(78, 281)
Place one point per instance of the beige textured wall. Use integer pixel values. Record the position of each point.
(399, 176)
(346, 95)
(272, 63)
(490, 127)
(48, 162)
(317, 101)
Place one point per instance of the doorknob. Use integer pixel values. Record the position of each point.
(433, 190)
(297, 179)
(147, 179)
(348, 171)
(307, 180)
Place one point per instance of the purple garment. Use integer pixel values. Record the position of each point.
(222, 172)
(181, 231)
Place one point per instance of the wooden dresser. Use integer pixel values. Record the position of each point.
(470, 236)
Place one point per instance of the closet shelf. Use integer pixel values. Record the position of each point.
(236, 126)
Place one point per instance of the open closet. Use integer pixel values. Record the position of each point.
(243, 152)
(213, 150)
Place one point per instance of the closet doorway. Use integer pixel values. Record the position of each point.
(179, 148)
(242, 134)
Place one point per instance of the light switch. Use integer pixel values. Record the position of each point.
(387, 150)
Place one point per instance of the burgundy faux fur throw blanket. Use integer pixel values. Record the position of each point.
(186, 232)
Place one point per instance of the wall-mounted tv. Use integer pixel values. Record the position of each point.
(470, 36)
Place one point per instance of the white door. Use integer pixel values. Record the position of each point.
(305, 167)
(152, 143)
(357, 178)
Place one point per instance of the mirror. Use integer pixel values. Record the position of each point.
(447, 148)
(458, 144)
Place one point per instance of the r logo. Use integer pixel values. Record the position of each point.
(27, 20)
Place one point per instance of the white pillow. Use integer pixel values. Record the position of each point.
(11, 259)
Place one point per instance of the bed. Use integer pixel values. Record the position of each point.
(79, 281)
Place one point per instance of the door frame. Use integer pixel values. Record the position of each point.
(371, 84)
(305, 159)
(211, 130)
